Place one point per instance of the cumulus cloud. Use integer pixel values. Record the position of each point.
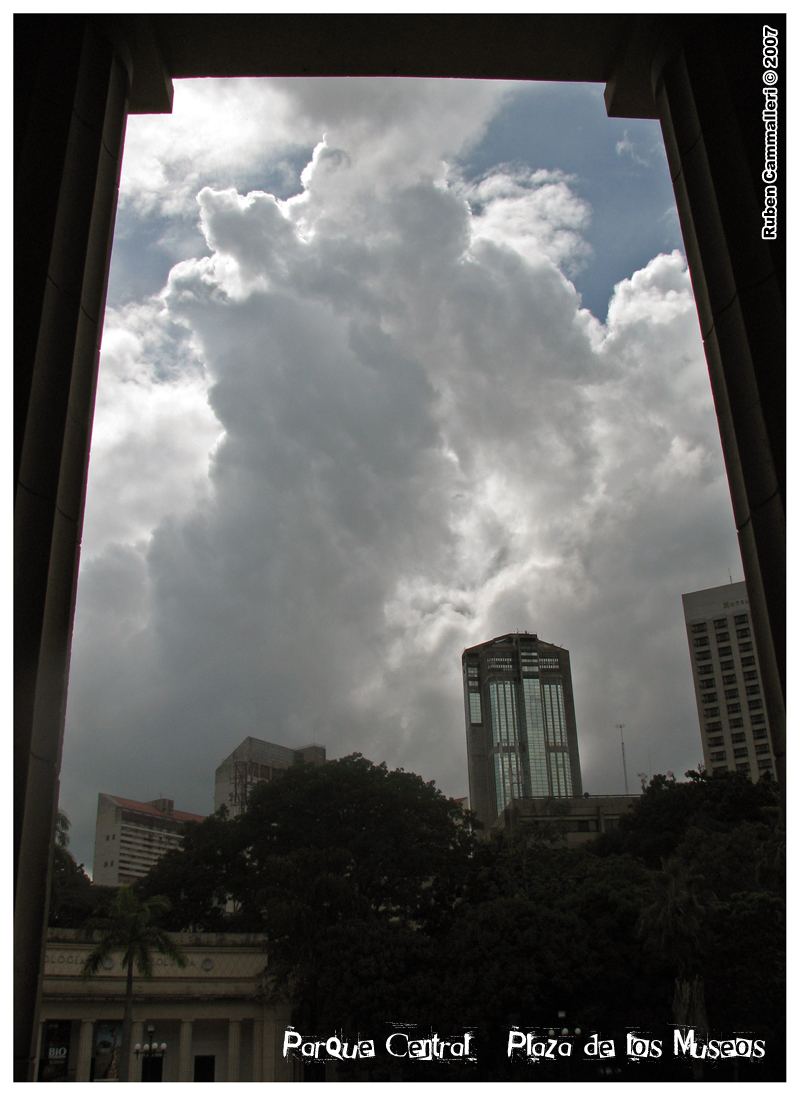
(374, 426)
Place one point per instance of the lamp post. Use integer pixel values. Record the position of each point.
(562, 1015)
(151, 1052)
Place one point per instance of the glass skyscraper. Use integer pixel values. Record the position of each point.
(520, 715)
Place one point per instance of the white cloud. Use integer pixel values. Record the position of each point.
(426, 443)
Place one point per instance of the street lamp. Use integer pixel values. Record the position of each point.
(151, 1051)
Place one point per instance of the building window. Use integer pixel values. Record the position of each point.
(534, 722)
(726, 665)
(713, 727)
(707, 683)
(745, 647)
(765, 764)
(711, 712)
(718, 756)
(749, 661)
(752, 690)
(729, 679)
(709, 698)
(754, 705)
(703, 656)
(741, 751)
(716, 741)
(759, 732)
(763, 748)
(751, 675)
(737, 722)
(720, 769)
(743, 633)
(738, 737)
(723, 652)
(105, 865)
(699, 628)
(743, 619)
(107, 838)
(701, 641)
(723, 637)
(731, 694)
(734, 708)
(475, 708)
(722, 623)
(743, 767)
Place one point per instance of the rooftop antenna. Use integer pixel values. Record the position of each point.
(620, 727)
(730, 577)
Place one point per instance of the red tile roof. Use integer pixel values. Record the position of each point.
(148, 808)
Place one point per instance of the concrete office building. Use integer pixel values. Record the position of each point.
(131, 837)
(734, 726)
(520, 715)
(254, 760)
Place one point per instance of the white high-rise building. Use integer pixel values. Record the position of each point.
(131, 837)
(727, 681)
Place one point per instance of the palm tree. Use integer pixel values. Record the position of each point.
(128, 927)
(675, 925)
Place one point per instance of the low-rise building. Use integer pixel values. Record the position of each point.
(131, 837)
(213, 1015)
(578, 819)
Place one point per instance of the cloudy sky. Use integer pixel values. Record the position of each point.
(390, 367)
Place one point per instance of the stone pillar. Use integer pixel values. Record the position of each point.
(84, 1066)
(185, 1060)
(234, 1049)
(737, 284)
(66, 197)
(258, 1047)
(135, 1061)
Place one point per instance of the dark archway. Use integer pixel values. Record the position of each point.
(76, 80)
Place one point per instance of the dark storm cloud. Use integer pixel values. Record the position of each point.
(372, 427)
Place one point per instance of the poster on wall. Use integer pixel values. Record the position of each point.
(54, 1060)
(107, 1051)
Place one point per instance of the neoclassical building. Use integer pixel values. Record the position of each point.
(213, 1014)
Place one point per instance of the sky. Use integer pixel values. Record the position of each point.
(389, 368)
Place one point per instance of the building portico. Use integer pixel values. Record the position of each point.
(213, 1015)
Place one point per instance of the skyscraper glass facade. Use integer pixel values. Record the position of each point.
(521, 735)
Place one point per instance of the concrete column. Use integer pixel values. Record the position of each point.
(135, 1061)
(84, 1066)
(258, 1047)
(741, 309)
(234, 1049)
(185, 1059)
(73, 146)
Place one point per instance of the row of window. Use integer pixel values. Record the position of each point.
(721, 622)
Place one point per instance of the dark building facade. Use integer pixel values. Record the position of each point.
(522, 740)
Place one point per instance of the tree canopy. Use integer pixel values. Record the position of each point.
(382, 905)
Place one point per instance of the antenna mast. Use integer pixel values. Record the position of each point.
(620, 727)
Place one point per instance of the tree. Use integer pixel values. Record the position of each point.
(129, 926)
(72, 896)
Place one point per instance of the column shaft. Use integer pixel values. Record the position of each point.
(234, 1049)
(84, 1066)
(185, 1060)
(56, 356)
(742, 319)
